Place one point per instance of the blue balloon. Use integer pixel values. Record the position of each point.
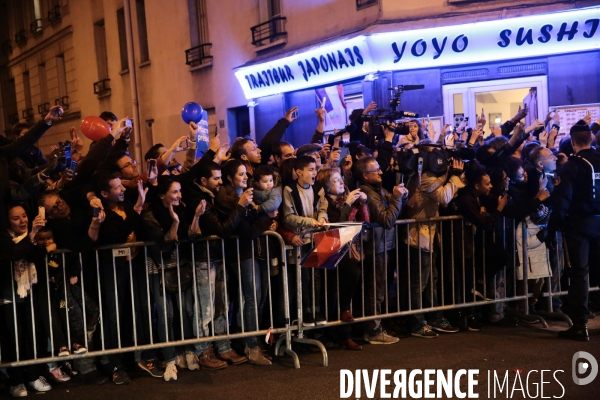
(191, 112)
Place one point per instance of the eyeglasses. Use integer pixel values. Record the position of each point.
(57, 206)
(378, 170)
(129, 164)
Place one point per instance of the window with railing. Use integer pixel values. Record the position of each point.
(27, 114)
(63, 102)
(199, 53)
(269, 31)
(102, 88)
(21, 38)
(54, 15)
(43, 108)
(36, 27)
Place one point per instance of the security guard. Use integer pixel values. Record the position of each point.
(577, 212)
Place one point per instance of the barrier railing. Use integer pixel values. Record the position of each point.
(129, 284)
(202, 292)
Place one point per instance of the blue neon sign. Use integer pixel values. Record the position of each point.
(538, 35)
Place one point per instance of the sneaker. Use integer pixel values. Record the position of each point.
(18, 391)
(180, 361)
(120, 377)
(308, 320)
(78, 349)
(473, 325)
(232, 357)
(94, 378)
(40, 385)
(425, 332)
(58, 375)
(320, 319)
(192, 361)
(208, 360)
(170, 373)
(381, 338)
(64, 351)
(151, 368)
(444, 326)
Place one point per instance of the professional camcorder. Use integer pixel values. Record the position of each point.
(432, 158)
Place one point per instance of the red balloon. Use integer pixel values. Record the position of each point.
(94, 128)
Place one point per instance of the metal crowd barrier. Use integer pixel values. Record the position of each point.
(460, 261)
(139, 302)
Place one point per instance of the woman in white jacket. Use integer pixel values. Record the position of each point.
(538, 260)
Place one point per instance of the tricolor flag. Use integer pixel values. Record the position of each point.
(330, 247)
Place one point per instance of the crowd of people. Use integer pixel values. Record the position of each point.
(184, 286)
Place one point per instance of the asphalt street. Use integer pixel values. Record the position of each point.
(523, 349)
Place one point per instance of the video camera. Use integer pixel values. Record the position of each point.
(432, 158)
(385, 117)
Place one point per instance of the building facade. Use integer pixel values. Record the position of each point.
(146, 58)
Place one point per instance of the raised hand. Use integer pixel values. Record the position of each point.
(54, 114)
(200, 209)
(289, 114)
(173, 214)
(372, 106)
(246, 197)
(353, 196)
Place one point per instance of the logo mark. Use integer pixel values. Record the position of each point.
(582, 367)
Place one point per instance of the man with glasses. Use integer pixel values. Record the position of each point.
(384, 209)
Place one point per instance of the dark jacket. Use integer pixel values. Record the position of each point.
(7, 153)
(230, 219)
(273, 136)
(572, 197)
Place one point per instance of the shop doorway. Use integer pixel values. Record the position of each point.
(500, 100)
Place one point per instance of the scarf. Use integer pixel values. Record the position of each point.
(24, 272)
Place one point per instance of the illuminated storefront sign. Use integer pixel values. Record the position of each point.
(531, 36)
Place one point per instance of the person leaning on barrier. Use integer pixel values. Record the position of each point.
(204, 188)
(117, 223)
(343, 206)
(577, 211)
(232, 215)
(481, 213)
(436, 188)
(24, 281)
(384, 209)
(164, 224)
(304, 207)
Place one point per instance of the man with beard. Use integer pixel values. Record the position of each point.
(203, 189)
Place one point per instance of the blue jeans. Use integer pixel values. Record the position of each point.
(210, 285)
(165, 305)
(249, 270)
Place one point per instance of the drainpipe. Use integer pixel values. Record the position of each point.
(137, 151)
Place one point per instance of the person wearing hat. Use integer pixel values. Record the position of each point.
(577, 212)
